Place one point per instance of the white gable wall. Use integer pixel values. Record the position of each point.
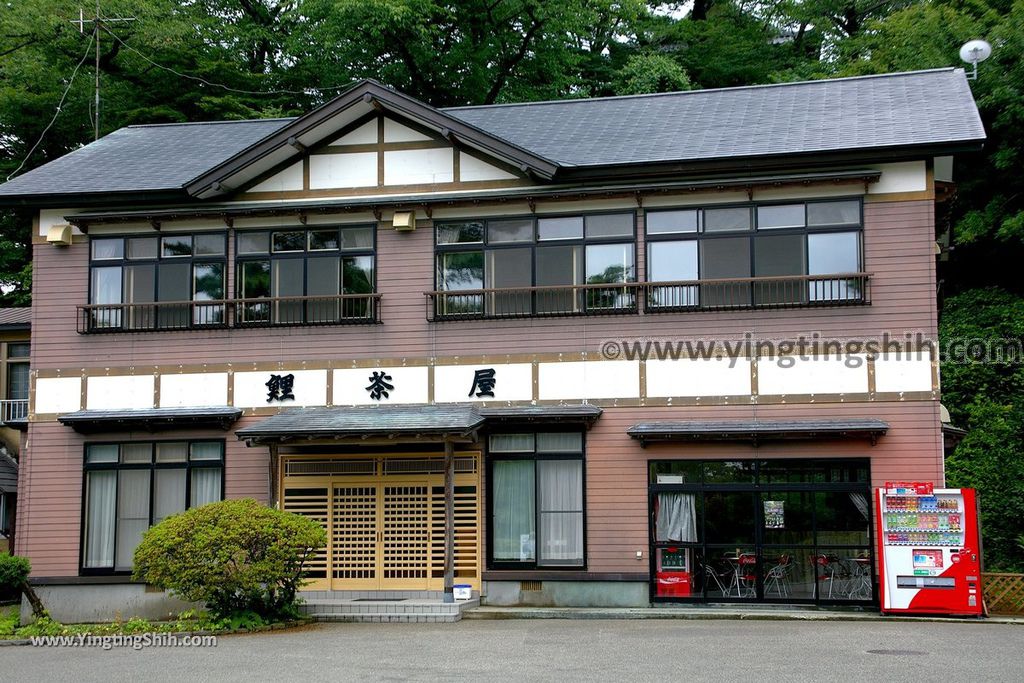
(396, 132)
(357, 169)
(419, 166)
(472, 168)
(365, 134)
(288, 179)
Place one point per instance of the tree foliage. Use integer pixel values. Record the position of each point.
(237, 556)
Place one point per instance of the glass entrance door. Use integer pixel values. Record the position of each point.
(769, 531)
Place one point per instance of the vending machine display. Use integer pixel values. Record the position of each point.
(929, 551)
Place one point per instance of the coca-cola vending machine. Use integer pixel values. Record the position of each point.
(929, 551)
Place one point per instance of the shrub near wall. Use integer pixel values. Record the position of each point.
(237, 556)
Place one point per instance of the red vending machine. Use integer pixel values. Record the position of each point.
(929, 555)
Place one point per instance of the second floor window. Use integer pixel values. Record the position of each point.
(750, 250)
(17, 370)
(135, 282)
(550, 265)
(319, 275)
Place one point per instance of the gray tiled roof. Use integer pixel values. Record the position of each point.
(15, 317)
(815, 116)
(91, 421)
(143, 158)
(894, 110)
(746, 429)
(337, 422)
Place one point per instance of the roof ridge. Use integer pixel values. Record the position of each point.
(896, 74)
(207, 123)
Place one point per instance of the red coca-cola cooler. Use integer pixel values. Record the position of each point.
(672, 575)
(929, 550)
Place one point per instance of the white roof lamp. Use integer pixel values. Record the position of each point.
(973, 52)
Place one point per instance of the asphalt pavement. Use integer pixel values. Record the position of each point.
(558, 650)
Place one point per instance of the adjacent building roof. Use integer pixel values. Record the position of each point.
(931, 112)
(15, 318)
(757, 430)
(8, 474)
(415, 421)
(152, 420)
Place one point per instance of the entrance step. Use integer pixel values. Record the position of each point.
(383, 606)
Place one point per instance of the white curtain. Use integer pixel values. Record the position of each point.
(511, 443)
(561, 511)
(205, 486)
(206, 450)
(860, 501)
(676, 520)
(132, 514)
(560, 442)
(514, 530)
(101, 488)
(168, 493)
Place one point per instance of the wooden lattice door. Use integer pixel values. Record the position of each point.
(405, 523)
(385, 528)
(355, 552)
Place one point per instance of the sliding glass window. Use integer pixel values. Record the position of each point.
(132, 486)
(315, 276)
(756, 255)
(536, 500)
(157, 282)
(513, 267)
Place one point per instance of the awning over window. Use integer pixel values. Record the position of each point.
(395, 423)
(758, 430)
(573, 414)
(152, 420)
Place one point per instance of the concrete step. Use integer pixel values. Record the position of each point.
(387, 618)
(395, 611)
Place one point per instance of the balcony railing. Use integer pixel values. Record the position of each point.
(782, 291)
(786, 291)
(13, 410)
(339, 309)
(530, 302)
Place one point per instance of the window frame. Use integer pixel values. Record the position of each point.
(192, 260)
(484, 245)
(9, 361)
(699, 235)
(305, 254)
(534, 457)
(152, 466)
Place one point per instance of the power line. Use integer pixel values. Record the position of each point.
(204, 81)
(59, 105)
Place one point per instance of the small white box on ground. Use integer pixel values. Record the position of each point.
(462, 591)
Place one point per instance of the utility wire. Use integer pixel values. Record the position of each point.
(60, 104)
(202, 80)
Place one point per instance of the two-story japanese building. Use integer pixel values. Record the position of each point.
(425, 328)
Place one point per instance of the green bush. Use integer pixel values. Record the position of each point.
(13, 572)
(237, 556)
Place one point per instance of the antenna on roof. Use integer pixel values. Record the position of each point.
(98, 22)
(973, 52)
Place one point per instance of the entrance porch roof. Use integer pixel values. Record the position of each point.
(758, 430)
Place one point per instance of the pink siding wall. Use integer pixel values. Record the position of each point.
(898, 244)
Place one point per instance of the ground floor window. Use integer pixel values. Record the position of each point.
(131, 486)
(772, 530)
(536, 500)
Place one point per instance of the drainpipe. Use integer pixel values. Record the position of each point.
(449, 521)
